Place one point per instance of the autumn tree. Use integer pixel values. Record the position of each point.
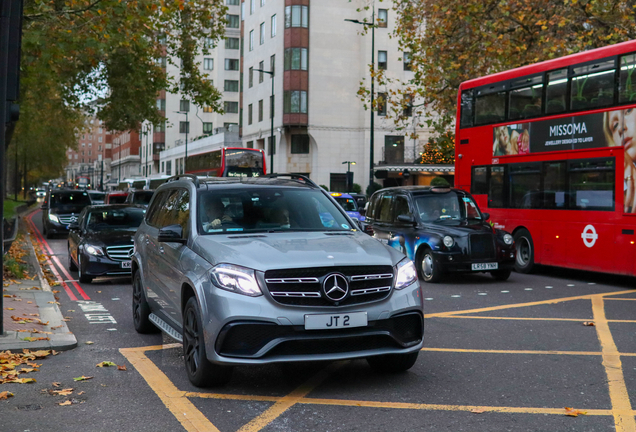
(109, 53)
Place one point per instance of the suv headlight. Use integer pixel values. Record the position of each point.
(54, 218)
(406, 274)
(448, 241)
(508, 239)
(235, 278)
(94, 250)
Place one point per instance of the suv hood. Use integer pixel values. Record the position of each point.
(269, 251)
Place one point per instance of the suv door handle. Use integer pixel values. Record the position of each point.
(161, 249)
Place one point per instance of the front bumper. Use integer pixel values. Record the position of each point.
(103, 266)
(256, 330)
(458, 262)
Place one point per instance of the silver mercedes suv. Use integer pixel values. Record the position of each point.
(270, 269)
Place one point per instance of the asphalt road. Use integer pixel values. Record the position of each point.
(498, 356)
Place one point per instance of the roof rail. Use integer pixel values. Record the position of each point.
(293, 177)
(192, 177)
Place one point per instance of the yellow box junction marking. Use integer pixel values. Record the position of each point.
(194, 421)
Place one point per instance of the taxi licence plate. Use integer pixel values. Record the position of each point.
(335, 321)
(126, 264)
(485, 266)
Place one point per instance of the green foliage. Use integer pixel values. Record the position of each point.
(324, 187)
(356, 188)
(440, 149)
(439, 181)
(13, 269)
(372, 188)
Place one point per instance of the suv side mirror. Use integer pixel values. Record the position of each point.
(172, 234)
(486, 216)
(406, 218)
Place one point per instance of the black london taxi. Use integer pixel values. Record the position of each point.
(442, 230)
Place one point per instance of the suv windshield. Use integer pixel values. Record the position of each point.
(123, 218)
(348, 204)
(268, 209)
(444, 207)
(69, 200)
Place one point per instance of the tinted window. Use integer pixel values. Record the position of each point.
(97, 196)
(554, 189)
(142, 197)
(490, 107)
(373, 206)
(525, 102)
(243, 163)
(479, 183)
(268, 209)
(348, 204)
(627, 86)
(152, 216)
(446, 207)
(117, 199)
(69, 199)
(591, 184)
(593, 85)
(401, 207)
(556, 91)
(467, 109)
(525, 184)
(496, 187)
(383, 212)
(175, 210)
(121, 218)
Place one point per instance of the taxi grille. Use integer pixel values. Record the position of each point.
(120, 253)
(303, 287)
(482, 246)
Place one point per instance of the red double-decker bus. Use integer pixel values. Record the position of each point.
(228, 162)
(549, 151)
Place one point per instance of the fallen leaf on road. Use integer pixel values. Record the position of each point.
(99, 292)
(89, 342)
(81, 393)
(56, 384)
(57, 327)
(55, 291)
(9, 308)
(68, 402)
(121, 368)
(71, 310)
(33, 339)
(5, 395)
(82, 378)
(54, 352)
(574, 412)
(588, 323)
(478, 410)
(27, 370)
(63, 392)
(105, 364)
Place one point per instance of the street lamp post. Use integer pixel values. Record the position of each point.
(146, 132)
(349, 179)
(271, 114)
(185, 159)
(372, 25)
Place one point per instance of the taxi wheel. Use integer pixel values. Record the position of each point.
(200, 371)
(71, 263)
(393, 363)
(141, 308)
(427, 268)
(524, 262)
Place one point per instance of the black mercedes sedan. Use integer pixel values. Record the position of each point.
(101, 242)
(442, 230)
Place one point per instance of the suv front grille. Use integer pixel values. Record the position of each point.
(482, 246)
(120, 253)
(303, 287)
(67, 219)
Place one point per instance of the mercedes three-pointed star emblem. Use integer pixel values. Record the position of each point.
(335, 287)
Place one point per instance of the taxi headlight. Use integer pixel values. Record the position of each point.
(235, 278)
(508, 239)
(406, 274)
(448, 241)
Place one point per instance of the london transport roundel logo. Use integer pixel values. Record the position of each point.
(589, 236)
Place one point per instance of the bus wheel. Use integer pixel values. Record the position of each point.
(524, 262)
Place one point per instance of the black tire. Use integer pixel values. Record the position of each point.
(71, 263)
(83, 278)
(393, 363)
(524, 261)
(48, 234)
(200, 371)
(501, 275)
(43, 227)
(426, 267)
(141, 308)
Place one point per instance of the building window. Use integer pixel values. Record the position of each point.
(296, 16)
(272, 65)
(161, 127)
(383, 17)
(408, 106)
(232, 2)
(252, 6)
(393, 149)
(207, 127)
(300, 144)
(271, 106)
(208, 43)
(161, 104)
(295, 102)
(262, 3)
(250, 144)
(233, 21)
(232, 43)
(382, 62)
(184, 127)
(260, 110)
(261, 66)
(208, 64)
(163, 167)
(169, 167)
(273, 25)
(251, 46)
(208, 109)
(295, 59)
(250, 78)
(262, 33)
(407, 61)
(231, 64)
(231, 86)
(231, 107)
(99, 139)
(382, 99)
(184, 105)
(249, 114)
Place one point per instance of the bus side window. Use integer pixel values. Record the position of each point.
(496, 187)
(479, 182)
(466, 119)
(556, 91)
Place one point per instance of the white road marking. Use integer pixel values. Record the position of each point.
(528, 289)
(505, 292)
(455, 296)
(570, 284)
(428, 298)
(591, 283)
(548, 287)
(482, 293)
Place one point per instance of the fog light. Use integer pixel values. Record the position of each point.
(450, 258)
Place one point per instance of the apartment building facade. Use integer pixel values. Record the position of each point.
(93, 146)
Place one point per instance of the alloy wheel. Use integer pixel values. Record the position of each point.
(191, 341)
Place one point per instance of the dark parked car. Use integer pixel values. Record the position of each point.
(140, 197)
(101, 242)
(442, 230)
(61, 208)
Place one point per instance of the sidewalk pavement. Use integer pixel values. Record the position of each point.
(32, 317)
